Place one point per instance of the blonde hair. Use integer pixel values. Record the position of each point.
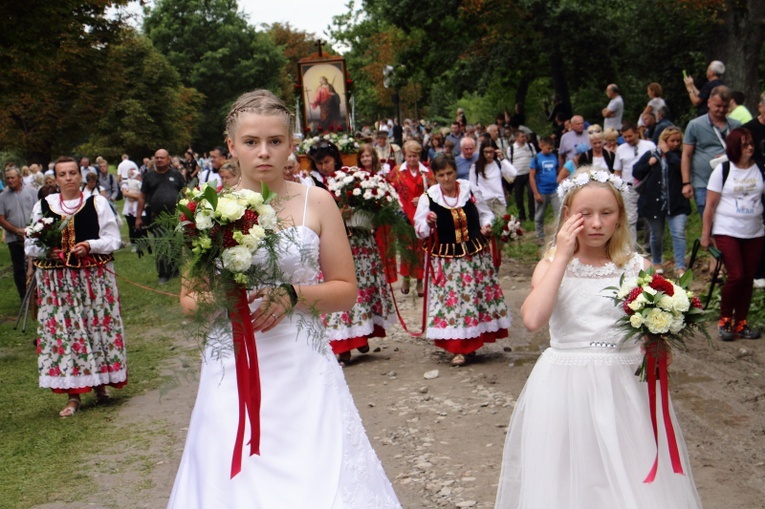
(669, 131)
(231, 165)
(618, 247)
(611, 134)
(412, 146)
(261, 102)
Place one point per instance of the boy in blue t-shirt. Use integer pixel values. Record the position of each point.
(544, 176)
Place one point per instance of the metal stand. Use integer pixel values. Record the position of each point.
(24, 310)
(715, 273)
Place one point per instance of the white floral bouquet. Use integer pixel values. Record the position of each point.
(361, 190)
(47, 231)
(506, 228)
(659, 311)
(345, 143)
(224, 230)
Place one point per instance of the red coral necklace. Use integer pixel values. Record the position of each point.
(67, 210)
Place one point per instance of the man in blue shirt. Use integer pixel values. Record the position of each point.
(467, 157)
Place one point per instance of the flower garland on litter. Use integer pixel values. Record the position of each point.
(346, 144)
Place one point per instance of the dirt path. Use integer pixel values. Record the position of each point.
(441, 439)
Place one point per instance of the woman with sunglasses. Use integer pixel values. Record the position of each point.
(733, 223)
(373, 312)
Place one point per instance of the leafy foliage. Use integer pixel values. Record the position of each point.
(215, 51)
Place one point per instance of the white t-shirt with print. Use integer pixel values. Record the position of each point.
(739, 212)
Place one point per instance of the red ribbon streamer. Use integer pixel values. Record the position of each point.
(656, 357)
(496, 252)
(247, 376)
(428, 274)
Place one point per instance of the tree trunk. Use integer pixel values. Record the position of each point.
(558, 74)
(739, 45)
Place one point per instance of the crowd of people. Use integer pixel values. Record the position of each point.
(452, 186)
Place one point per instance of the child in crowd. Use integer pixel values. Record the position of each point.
(581, 435)
(544, 176)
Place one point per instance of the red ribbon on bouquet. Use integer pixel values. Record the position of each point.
(496, 252)
(247, 376)
(656, 357)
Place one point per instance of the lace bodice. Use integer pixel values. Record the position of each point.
(298, 251)
(583, 316)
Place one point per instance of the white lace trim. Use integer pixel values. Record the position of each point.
(363, 483)
(590, 357)
(469, 332)
(78, 382)
(360, 330)
(578, 269)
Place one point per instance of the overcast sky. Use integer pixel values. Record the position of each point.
(309, 15)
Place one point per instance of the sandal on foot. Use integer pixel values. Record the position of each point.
(405, 286)
(70, 409)
(363, 349)
(458, 360)
(102, 396)
(420, 292)
(344, 358)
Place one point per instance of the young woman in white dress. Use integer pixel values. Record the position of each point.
(580, 436)
(313, 448)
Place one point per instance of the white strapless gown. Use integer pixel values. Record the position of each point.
(314, 451)
(580, 436)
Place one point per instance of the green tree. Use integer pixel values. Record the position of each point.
(148, 107)
(53, 88)
(216, 52)
(293, 44)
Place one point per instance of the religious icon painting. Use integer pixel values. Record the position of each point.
(325, 96)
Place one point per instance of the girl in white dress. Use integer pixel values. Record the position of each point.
(313, 448)
(580, 436)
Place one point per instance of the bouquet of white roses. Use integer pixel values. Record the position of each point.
(361, 190)
(230, 227)
(506, 228)
(47, 231)
(662, 312)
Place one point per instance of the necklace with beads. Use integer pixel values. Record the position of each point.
(456, 198)
(69, 211)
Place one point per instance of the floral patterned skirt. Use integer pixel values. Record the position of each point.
(466, 307)
(80, 341)
(373, 311)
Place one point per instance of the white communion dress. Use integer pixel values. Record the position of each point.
(580, 436)
(314, 452)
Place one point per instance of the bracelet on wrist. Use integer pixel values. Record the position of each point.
(686, 184)
(290, 289)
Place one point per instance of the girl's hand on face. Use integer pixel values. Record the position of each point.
(565, 243)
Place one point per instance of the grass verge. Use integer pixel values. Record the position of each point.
(44, 458)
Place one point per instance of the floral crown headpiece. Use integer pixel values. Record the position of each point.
(584, 178)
